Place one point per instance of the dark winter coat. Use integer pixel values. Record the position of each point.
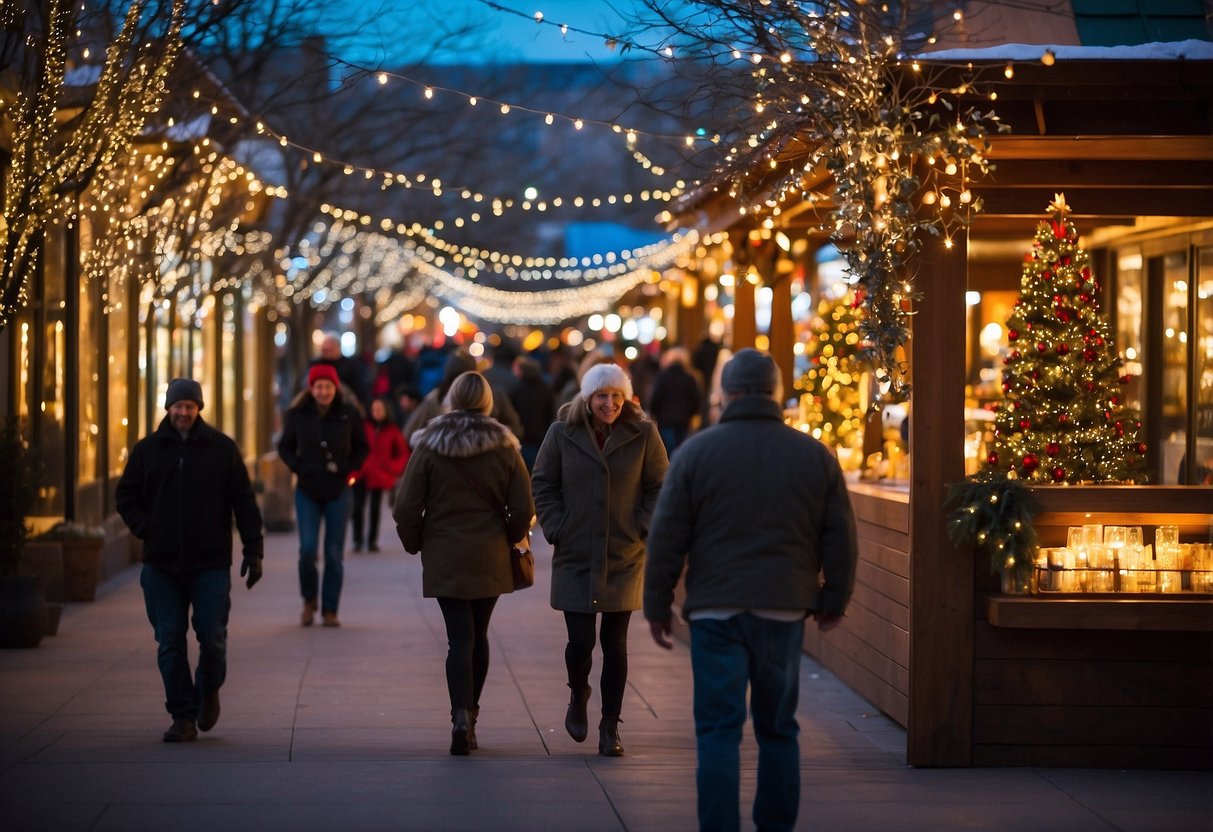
(310, 441)
(179, 496)
(536, 406)
(387, 457)
(760, 514)
(463, 539)
(595, 506)
(676, 397)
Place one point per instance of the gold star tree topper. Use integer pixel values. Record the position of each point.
(1059, 205)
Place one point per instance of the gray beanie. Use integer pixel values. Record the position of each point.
(602, 376)
(750, 371)
(183, 389)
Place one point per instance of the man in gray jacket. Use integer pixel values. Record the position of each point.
(759, 514)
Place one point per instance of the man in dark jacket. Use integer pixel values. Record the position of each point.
(759, 513)
(178, 493)
(676, 399)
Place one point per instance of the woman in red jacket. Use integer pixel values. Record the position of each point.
(382, 469)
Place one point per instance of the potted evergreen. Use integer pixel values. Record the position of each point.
(23, 612)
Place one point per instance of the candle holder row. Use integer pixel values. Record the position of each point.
(1113, 559)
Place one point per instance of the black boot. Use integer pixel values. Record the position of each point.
(608, 737)
(460, 728)
(576, 721)
(473, 715)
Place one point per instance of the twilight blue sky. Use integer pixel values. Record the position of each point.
(500, 36)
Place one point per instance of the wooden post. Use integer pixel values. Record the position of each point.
(745, 329)
(939, 730)
(780, 335)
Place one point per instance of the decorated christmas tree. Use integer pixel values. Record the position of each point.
(1063, 418)
(830, 387)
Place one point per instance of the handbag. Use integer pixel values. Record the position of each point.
(522, 559)
(522, 563)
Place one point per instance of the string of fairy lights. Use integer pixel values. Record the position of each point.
(497, 205)
(354, 260)
(867, 197)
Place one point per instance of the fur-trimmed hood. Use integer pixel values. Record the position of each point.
(461, 434)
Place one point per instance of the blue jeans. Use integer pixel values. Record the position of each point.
(168, 596)
(726, 656)
(334, 513)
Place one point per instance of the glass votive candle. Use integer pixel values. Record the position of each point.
(1165, 536)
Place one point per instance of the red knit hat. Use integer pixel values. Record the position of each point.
(320, 371)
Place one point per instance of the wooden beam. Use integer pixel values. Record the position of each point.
(1099, 173)
(1150, 148)
(939, 730)
(1104, 202)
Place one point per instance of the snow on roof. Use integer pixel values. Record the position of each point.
(1189, 50)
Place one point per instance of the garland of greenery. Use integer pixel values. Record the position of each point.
(995, 514)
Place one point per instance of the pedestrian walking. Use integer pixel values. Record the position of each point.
(379, 473)
(458, 362)
(758, 513)
(596, 481)
(464, 473)
(181, 487)
(676, 398)
(324, 444)
(535, 403)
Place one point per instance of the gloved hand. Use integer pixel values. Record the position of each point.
(251, 567)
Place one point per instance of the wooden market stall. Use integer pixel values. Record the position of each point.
(982, 678)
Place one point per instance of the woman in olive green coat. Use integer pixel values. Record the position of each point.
(596, 481)
(465, 470)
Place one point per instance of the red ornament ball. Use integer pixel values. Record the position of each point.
(992, 459)
(1012, 334)
(1024, 424)
(1059, 474)
(1065, 260)
(1030, 463)
(1053, 449)
(1089, 356)
(1042, 347)
(1125, 379)
(1141, 448)
(1063, 348)
(1064, 418)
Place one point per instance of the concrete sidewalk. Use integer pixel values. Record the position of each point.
(348, 729)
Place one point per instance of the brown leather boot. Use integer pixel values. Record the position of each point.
(608, 737)
(460, 727)
(473, 715)
(309, 613)
(576, 721)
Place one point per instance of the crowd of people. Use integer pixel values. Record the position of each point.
(628, 486)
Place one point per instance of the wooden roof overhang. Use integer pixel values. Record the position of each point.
(1121, 138)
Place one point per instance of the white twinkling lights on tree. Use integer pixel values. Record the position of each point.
(55, 164)
(836, 116)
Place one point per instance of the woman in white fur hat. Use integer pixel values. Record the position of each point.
(595, 482)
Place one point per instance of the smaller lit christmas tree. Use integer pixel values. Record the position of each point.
(1063, 417)
(830, 387)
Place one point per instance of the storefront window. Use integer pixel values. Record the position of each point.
(248, 437)
(117, 366)
(1204, 357)
(1173, 362)
(88, 379)
(225, 363)
(1130, 320)
(50, 387)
